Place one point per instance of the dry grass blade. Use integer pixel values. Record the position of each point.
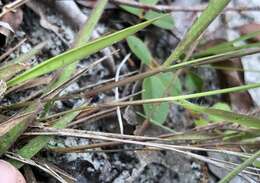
(139, 140)
(9, 124)
(116, 138)
(43, 167)
(9, 51)
(192, 63)
(30, 84)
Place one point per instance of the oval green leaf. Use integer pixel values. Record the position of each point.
(161, 85)
(138, 47)
(154, 88)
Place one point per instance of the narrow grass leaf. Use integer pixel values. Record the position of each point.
(208, 15)
(37, 143)
(77, 53)
(82, 38)
(229, 46)
(150, 2)
(220, 106)
(248, 121)
(240, 168)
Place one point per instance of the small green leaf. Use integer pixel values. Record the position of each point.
(193, 82)
(135, 11)
(172, 83)
(155, 87)
(165, 23)
(139, 49)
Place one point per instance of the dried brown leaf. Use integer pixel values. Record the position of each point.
(10, 22)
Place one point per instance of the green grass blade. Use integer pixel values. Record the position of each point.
(240, 168)
(86, 31)
(228, 116)
(252, 121)
(208, 15)
(76, 54)
(82, 38)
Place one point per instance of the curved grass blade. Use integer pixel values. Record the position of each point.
(76, 54)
